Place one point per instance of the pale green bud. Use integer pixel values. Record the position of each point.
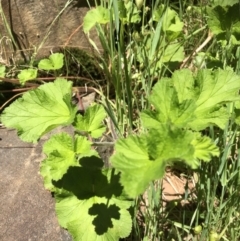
(139, 3)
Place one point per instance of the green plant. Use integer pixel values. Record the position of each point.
(184, 120)
(141, 44)
(73, 170)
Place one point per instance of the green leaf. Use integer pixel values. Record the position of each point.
(193, 102)
(215, 89)
(41, 110)
(94, 219)
(27, 74)
(183, 82)
(62, 150)
(168, 108)
(217, 20)
(173, 52)
(55, 61)
(93, 207)
(2, 70)
(224, 22)
(141, 159)
(204, 148)
(225, 2)
(169, 52)
(98, 15)
(91, 121)
(171, 24)
(128, 12)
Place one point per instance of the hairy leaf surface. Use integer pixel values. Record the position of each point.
(193, 102)
(168, 109)
(91, 121)
(204, 148)
(224, 22)
(98, 15)
(62, 152)
(41, 110)
(55, 61)
(27, 74)
(215, 90)
(143, 158)
(93, 209)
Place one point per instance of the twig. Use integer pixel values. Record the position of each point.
(11, 147)
(17, 90)
(103, 143)
(16, 81)
(207, 40)
(10, 100)
(72, 34)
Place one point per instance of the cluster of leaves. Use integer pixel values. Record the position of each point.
(55, 61)
(93, 201)
(85, 192)
(161, 37)
(84, 189)
(223, 22)
(89, 199)
(161, 45)
(183, 105)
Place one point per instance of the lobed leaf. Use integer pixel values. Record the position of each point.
(92, 207)
(171, 23)
(204, 147)
(141, 159)
(55, 61)
(63, 152)
(41, 110)
(224, 21)
(91, 121)
(215, 90)
(98, 15)
(27, 74)
(94, 219)
(193, 102)
(168, 108)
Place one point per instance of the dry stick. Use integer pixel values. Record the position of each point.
(80, 103)
(51, 25)
(66, 77)
(16, 90)
(208, 39)
(85, 89)
(16, 81)
(10, 100)
(50, 47)
(82, 89)
(66, 43)
(32, 86)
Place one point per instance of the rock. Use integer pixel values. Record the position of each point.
(32, 28)
(27, 210)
